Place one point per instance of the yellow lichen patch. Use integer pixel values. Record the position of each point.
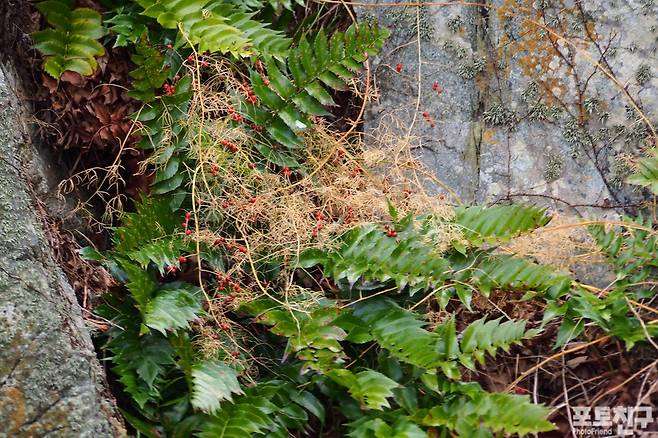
(539, 50)
(12, 407)
(489, 136)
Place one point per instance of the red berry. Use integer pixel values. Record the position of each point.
(225, 327)
(184, 224)
(242, 249)
(440, 91)
(188, 215)
(426, 114)
(398, 67)
(204, 64)
(188, 232)
(286, 171)
(182, 259)
(190, 58)
(235, 354)
(435, 86)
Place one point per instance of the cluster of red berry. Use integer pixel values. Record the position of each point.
(249, 94)
(230, 146)
(429, 119)
(237, 118)
(390, 231)
(225, 282)
(435, 87)
(203, 64)
(319, 224)
(185, 224)
(220, 241)
(169, 90)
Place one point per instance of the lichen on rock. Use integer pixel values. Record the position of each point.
(50, 380)
(554, 78)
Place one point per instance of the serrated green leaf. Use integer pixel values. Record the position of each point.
(248, 416)
(370, 388)
(171, 309)
(212, 383)
(318, 92)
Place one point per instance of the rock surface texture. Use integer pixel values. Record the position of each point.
(541, 100)
(50, 380)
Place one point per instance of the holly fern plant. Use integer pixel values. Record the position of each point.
(280, 365)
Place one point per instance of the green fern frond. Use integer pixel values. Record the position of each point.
(152, 220)
(71, 44)
(216, 26)
(213, 382)
(312, 336)
(140, 283)
(369, 387)
(140, 360)
(172, 307)
(277, 5)
(163, 253)
(507, 272)
(293, 406)
(369, 255)
(288, 99)
(127, 24)
(401, 332)
(482, 337)
(632, 250)
(501, 222)
(150, 72)
(478, 413)
(401, 427)
(247, 416)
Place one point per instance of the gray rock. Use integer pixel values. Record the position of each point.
(50, 381)
(524, 114)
